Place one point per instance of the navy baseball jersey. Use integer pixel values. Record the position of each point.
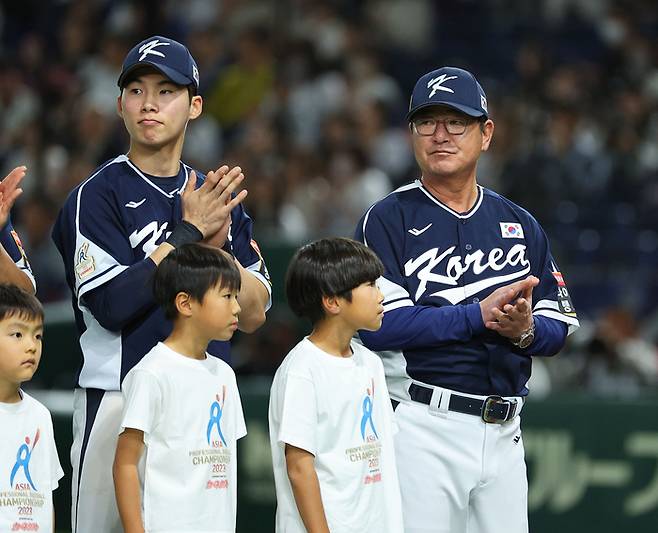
(12, 244)
(110, 223)
(438, 265)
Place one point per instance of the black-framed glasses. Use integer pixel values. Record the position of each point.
(427, 126)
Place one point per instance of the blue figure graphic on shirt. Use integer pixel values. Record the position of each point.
(23, 460)
(216, 411)
(367, 407)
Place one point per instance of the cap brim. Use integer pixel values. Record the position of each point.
(169, 73)
(470, 111)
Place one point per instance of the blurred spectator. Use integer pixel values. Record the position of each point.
(242, 85)
(19, 106)
(387, 147)
(617, 360)
(98, 74)
(38, 213)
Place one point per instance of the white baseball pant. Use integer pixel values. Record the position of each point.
(457, 473)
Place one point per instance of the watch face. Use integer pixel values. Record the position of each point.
(527, 340)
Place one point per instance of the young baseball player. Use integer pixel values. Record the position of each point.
(471, 295)
(182, 410)
(114, 230)
(29, 466)
(330, 416)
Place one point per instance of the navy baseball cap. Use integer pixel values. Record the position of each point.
(169, 57)
(452, 87)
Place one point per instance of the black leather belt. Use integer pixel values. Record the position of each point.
(493, 409)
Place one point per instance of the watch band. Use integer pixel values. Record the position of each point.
(526, 338)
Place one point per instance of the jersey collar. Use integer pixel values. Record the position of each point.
(124, 158)
(467, 214)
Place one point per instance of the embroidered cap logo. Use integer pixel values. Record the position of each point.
(149, 49)
(437, 84)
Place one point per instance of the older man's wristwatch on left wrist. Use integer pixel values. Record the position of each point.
(526, 338)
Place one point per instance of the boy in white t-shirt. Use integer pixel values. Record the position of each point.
(331, 420)
(29, 465)
(182, 412)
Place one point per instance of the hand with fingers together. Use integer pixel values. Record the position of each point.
(508, 310)
(209, 207)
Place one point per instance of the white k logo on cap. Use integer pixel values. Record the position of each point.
(437, 84)
(149, 48)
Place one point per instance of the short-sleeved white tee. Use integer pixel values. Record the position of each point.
(29, 466)
(191, 416)
(339, 410)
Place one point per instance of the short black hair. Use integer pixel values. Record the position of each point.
(14, 301)
(194, 269)
(328, 267)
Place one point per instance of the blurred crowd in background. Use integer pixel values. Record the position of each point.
(309, 97)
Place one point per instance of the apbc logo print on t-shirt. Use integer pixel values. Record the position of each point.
(217, 456)
(366, 417)
(216, 412)
(23, 457)
(368, 454)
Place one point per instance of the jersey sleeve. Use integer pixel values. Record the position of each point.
(246, 250)
(383, 390)
(91, 237)
(298, 412)
(142, 396)
(551, 297)
(383, 234)
(11, 242)
(408, 325)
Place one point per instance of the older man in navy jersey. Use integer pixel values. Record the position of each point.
(472, 294)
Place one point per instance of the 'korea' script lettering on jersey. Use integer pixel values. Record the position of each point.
(153, 231)
(455, 266)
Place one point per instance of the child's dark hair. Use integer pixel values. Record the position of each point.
(14, 301)
(194, 269)
(328, 267)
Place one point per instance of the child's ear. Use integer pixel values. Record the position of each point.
(183, 303)
(331, 305)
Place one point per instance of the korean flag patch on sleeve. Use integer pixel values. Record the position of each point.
(511, 230)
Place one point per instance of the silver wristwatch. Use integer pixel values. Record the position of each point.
(526, 338)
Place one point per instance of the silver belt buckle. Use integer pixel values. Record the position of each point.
(487, 407)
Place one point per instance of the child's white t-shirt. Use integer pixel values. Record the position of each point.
(339, 410)
(191, 415)
(29, 466)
